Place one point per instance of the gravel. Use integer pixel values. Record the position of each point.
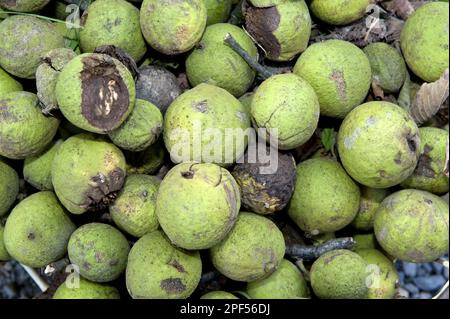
(15, 282)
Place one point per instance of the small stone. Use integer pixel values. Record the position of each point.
(430, 283)
(402, 293)
(437, 267)
(427, 267)
(425, 295)
(410, 269)
(411, 288)
(445, 273)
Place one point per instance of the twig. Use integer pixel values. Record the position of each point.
(313, 252)
(36, 278)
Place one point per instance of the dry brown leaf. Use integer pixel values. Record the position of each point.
(401, 8)
(429, 99)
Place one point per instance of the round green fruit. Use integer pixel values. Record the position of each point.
(86, 290)
(429, 174)
(25, 40)
(99, 250)
(206, 124)
(156, 269)
(217, 11)
(146, 162)
(197, 204)
(23, 5)
(173, 27)
(339, 274)
(325, 198)
(9, 187)
(286, 282)
(412, 225)
(112, 22)
(339, 73)
(37, 230)
(252, 250)
(424, 41)
(266, 3)
(378, 144)
(369, 203)
(365, 241)
(218, 294)
(287, 107)
(8, 84)
(95, 92)
(95, 170)
(339, 12)
(4, 256)
(133, 211)
(24, 130)
(216, 63)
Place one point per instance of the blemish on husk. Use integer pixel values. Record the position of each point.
(173, 285)
(104, 189)
(175, 264)
(338, 77)
(423, 167)
(201, 106)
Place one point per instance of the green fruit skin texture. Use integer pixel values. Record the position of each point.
(69, 92)
(37, 170)
(173, 27)
(37, 230)
(266, 3)
(9, 187)
(112, 22)
(133, 211)
(141, 128)
(24, 130)
(147, 162)
(424, 41)
(340, 74)
(218, 294)
(8, 84)
(289, 104)
(339, 12)
(86, 290)
(369, 203)
(286, 282)
(388, 66)
(246, 100)
(412, 225)
(252, 250)
(378, 144)
(157, 270)
(25, 40)
(24, 5)
(99, 250)
(325, 198)
(383, 274)
(217, 11)
(365, 241)
(339, 274)
(429, 174)
(4, 256)
(197, 204)
(216, 63)
(214, 109)
(94, 168)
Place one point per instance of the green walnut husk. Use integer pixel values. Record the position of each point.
(339, 12)
(24, 130)
(246, 100)
(95, 169)
(378, 144)
(429, 174)
(8, 84)
(286, 282)
(382, 274)
(282, 30)
(47, 75)
(218, 294)
(173, 27)
(325, 198)
(368, 205)
(216, 63)
(252, 250)
(25, 40)
(340, 74)
(146, 162)
(23, 5)
(365, 241)
(99, 250)
(37, 230)
(265, 192)
(4, 255)
(192, 220)
(112, 22)
(266, 3)
(388, 66)
(288, 105)
(206, 124)
(86, 290)
(217, 11)
(412, 225)
(9, 187)
(141, 128)
(156, 269)
(95, 92)
(339, 274)
(424, 41)
(133, 211)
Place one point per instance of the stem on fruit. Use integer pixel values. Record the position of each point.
(313, 252)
